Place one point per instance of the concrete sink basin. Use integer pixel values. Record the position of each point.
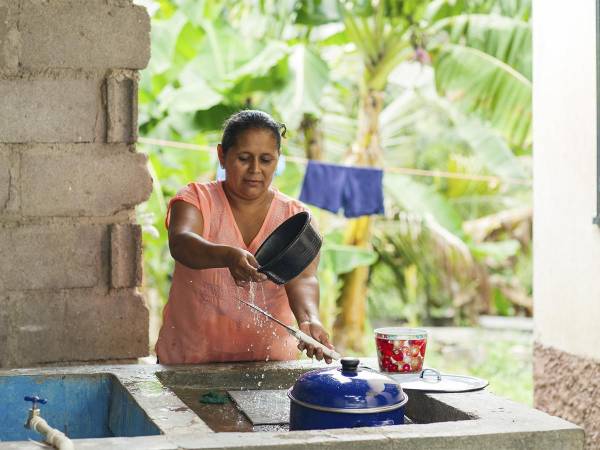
(79, 405)
(169, 399)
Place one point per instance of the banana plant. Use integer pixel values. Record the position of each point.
(426, 131)
(412, 249)
(474, 62)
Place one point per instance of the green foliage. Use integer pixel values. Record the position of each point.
(344, 258)
(407, 283)
(491, 149)
(501, 357)
(505, 38)
(316, 12)
(440, 9)
(483, 61)
(489, 86)
(497, 251)
(422, 199)
(336, 260)
(303, 93)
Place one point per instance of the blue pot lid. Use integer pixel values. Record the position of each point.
(347, 388)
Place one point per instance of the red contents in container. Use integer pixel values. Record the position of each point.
(401, 355)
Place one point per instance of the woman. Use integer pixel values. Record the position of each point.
(214, 230)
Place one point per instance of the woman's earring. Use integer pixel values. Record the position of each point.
(220, 172)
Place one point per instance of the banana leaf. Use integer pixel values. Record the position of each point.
(505, 38)
(303, 92)
(488, 87)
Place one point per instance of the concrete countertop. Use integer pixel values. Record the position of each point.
(469, 420)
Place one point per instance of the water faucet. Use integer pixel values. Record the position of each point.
(35, 422)
(34, 411)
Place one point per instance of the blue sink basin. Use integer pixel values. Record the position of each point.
(81, 406)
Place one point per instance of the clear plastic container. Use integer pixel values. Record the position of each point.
(400, 350)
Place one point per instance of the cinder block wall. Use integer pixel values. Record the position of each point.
(70, 251)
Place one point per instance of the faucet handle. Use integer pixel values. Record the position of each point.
(35, 399)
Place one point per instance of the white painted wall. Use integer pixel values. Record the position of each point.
(566, 243)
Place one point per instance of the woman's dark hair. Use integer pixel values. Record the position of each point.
(250, 119)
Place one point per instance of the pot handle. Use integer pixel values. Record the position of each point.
(271, 276)
(435, 372)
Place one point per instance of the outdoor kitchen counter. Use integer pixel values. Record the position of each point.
(472, 420)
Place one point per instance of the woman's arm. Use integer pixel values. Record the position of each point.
(303, 295)
(188, 247)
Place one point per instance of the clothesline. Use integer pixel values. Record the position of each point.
(398, 170)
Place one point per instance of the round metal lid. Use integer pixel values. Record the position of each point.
(347, 388)
(430, 380)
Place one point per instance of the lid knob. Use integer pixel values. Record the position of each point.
(349, 365)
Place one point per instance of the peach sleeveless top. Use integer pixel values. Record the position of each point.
(203, 321)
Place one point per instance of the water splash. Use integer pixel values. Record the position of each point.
(264, 297)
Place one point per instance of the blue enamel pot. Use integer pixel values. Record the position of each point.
(345, 397)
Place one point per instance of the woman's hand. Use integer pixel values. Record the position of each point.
(243, 266)
(316, 330)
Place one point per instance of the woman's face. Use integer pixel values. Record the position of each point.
(251, 163)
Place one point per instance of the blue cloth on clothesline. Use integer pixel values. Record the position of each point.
(358, 190)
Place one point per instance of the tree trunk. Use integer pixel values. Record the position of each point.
(313, 137)
(349, 325)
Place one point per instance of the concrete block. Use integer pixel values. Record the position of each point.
(9, 37)
(4, 177)
(4, 329)
(73, 325)
(52, 256)
(121, 106)
(49, 110)
(84, 34)
(107, 327)
(35, 328)
(125, 255)
(82, 180)
(9, 183)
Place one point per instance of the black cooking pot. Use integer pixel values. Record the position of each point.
(289, 249)
(345, 397)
